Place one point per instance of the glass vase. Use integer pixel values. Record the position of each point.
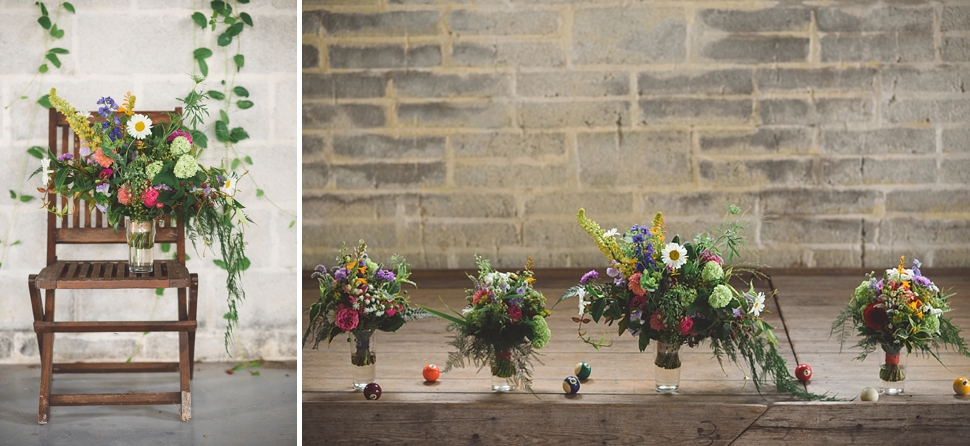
(141, 244)
(363, 359)
(503, 371)
(668, 367)
(892, 371)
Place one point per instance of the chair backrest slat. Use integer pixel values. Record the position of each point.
(84, 225)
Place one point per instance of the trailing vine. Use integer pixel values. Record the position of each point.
(52, 33)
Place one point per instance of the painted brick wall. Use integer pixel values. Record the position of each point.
(441, 129)
(146, 47)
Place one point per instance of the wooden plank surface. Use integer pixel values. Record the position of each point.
(610, 406)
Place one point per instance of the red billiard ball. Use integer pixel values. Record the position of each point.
(803, 372)
(431, 373)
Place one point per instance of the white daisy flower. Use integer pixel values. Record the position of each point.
(581, 293)
(758, 305)
(674, 255)
(611, 233)
(139, 126)
(45, 165)
(229, 186)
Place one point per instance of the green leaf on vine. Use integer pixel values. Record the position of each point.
(292, 223)
(221, 7)
(43, 8)
(259, 192)
(235, 164)
(15, 243)
(44, 21)
(240, 61)
(199, 138)
(69, 7)
(59, 51)
(13, 195)
(244, 264)
(238, 134)
(244, 104)
(54, 60)
(26, 198)
(217, 95)
(219, 263)
(56, 32)
(244, 2)
(45, 100)
(166, 247)
(222, 131)
(159, 291)
(224, 39)
(240, 91)
(199, 19)
(224, 117)
(235, 29)
(248, 160)
(203, 67)
(37, 151)
(42, 69)
(246, 18)
(202, 53)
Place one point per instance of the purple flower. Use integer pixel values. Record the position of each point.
(612, 272)
(163, 186)
(737, 312)
(101, 207)
(916, 266)
(515, 301)
(638, 239)
(340, 274)
(85, 150)
(103, 188)
(588, 276)
(321, 269)
(385, 275)
(520, 291)
(619, 282)
(65, 157)
(207, 190)
(922, 281)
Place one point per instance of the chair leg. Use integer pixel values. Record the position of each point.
(184, 376)
(46, 362)
(35, 304)
(193, 311)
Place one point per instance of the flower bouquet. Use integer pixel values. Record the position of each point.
(678, 293)
(502, 326)
(358, 297)
(129, 167)
(902, 309)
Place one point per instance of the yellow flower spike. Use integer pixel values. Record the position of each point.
(607, 245)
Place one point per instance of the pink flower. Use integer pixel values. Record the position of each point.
(106, 173)
(149, 197)
(479, 295)
(710, 256)
(178, 133)
(634, 284)
(390, 312)
(347, 319)
(685, 325)
(655, 322)
(124, 195)
(515, 313)
(637, 302)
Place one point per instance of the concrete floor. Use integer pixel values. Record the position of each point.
(237, 409)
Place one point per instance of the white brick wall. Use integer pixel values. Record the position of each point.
(145, 47)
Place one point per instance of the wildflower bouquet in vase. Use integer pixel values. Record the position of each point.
(358, 297)
(502, 326)
(133, 170)
(900, 310)
(678, 293)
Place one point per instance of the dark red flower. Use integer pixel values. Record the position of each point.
(875, 317)
(637, 302)
(515, 313)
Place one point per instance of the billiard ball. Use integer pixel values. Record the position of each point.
(372, 391)
(570, 385)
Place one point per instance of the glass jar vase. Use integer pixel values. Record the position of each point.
(668, 367)
(141, 244)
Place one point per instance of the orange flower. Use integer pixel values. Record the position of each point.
(102, 159)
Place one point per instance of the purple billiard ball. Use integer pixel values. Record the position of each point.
(570, 385)
(372, 391)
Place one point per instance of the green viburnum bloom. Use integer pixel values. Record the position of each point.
(186, 166)
(720, 296)
(180, 146)
(931, 323)
(153, 169)
(712, 272)
(541, 331)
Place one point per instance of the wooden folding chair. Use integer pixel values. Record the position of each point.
(90, 227)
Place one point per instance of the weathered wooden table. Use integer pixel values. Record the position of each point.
(619, 405)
